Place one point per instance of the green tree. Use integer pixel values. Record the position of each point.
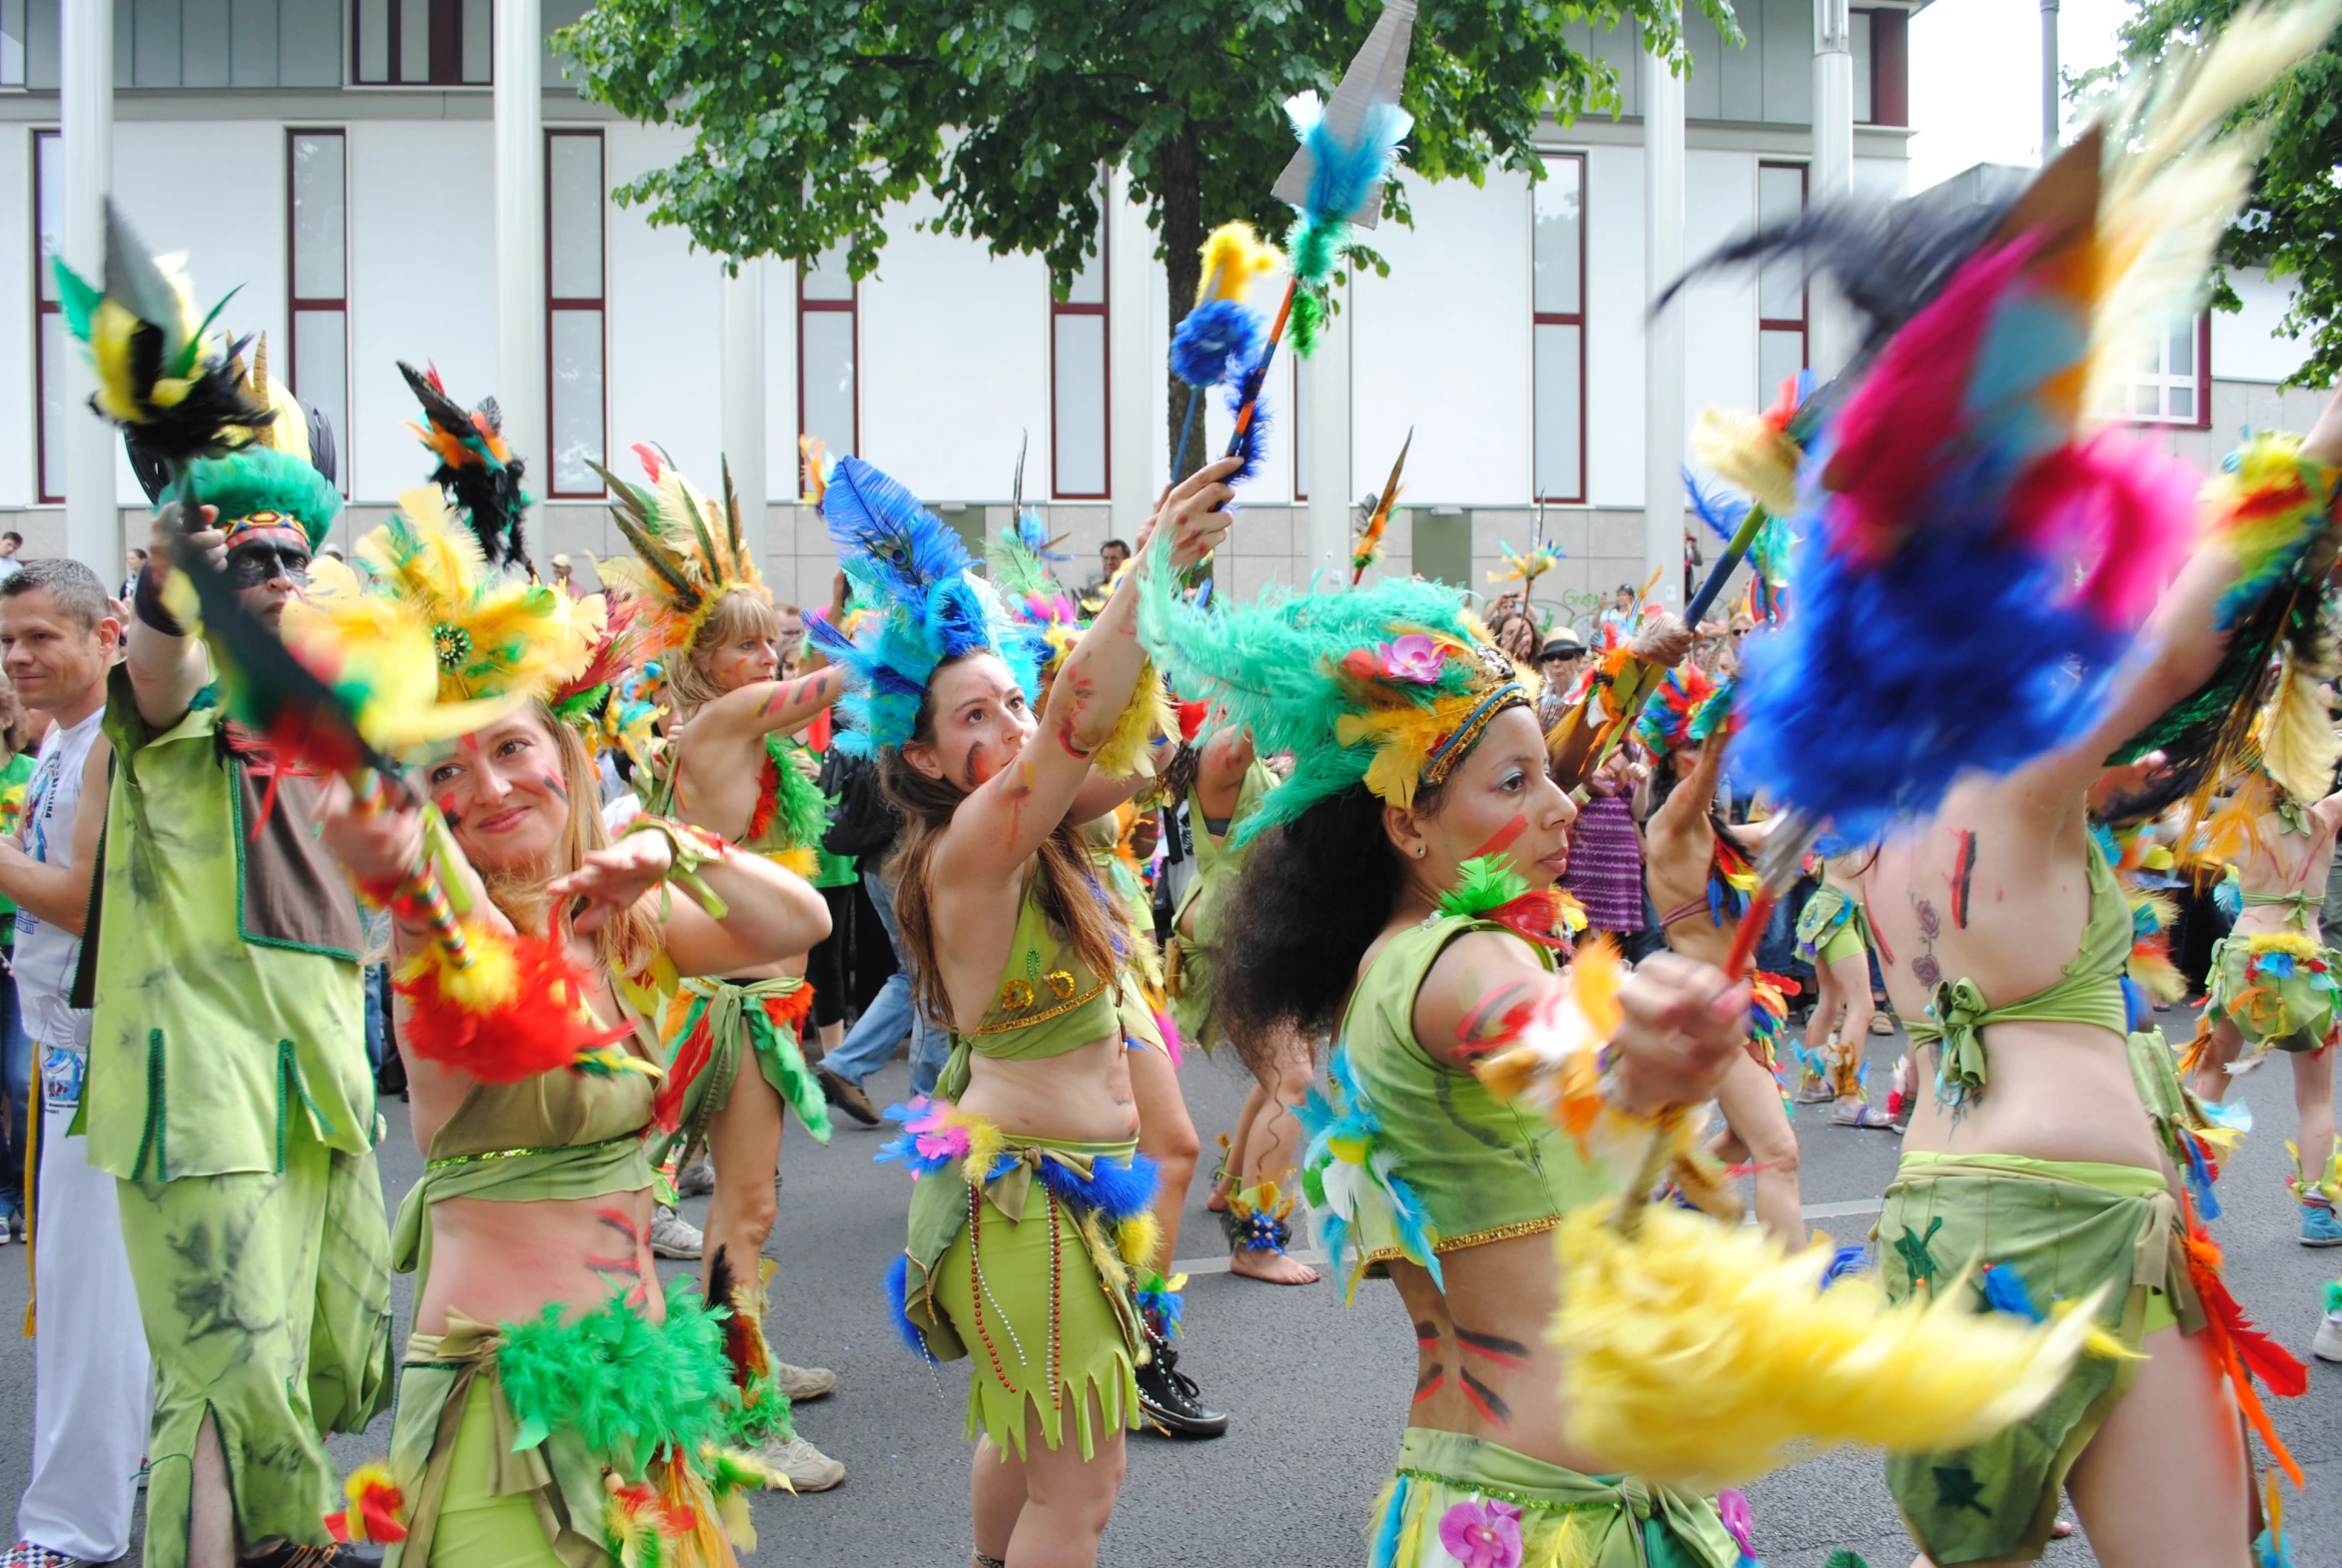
(809, 117)
(2292, 222)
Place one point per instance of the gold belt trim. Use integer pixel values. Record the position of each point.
(519, 1154)
(1456, 1243)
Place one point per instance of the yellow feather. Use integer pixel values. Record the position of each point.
(1137, 1237)
(1705, 1354)
(1746, 452)
(1232, 257)
(2298, 745)
(1148, 714)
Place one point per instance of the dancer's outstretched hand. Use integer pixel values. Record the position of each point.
(379, 842)
(1683, 1023)
(1194, 513)
(1665, 642)
(610, 880)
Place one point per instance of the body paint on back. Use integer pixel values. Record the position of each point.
(1964, 870)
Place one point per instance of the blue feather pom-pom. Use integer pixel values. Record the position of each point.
(1721, 510)
(1343, 175)
(1846, 1260)
(898, 1299)
(1217, 339)
(1116, 1189)
(2004, 1292)
(1893, 678)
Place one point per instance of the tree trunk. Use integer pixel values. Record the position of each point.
(1183, 244)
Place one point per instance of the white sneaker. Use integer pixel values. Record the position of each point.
(673, 1235)
(698, 1180)
(807, 1467)
(801, 1384)
(2328, 1344)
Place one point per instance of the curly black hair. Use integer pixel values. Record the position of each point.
(1314, 895)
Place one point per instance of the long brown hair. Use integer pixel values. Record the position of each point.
(1078, 909)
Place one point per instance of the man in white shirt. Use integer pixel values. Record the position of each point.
(93, 1381)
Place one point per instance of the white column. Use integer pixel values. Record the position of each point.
(1832, 177)
(520, 234)
(741, 370)
(1327, 548)
(1136, 356)
(1663, 336)
(2051, 120)
(85, 108)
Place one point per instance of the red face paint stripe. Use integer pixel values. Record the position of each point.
(1503, 838)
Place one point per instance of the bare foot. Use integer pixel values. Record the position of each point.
(1275, 1268)
(1218, 1201)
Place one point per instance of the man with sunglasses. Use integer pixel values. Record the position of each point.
(228, 1091)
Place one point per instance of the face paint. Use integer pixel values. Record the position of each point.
(555, 785)
(1503, 837)
(446, 805)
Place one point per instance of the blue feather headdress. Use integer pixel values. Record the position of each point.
(928, 607)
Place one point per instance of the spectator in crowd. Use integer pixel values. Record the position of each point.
(1620, 612)
(10, 544)
(1111, 556)
(132, 564)
(565, 577)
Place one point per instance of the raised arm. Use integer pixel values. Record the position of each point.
(1657, 647)
(767, 706)
(769, 912)
(168, 667)
(1004, 820)
(1686, 808)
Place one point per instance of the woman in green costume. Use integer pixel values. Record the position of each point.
(1398, 887)
(733, 1039)
(556, 1407)
(2053, 1143)
(1834, 935)
(1031, 1206)
(1256, 1188)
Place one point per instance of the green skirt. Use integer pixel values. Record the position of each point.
(2067, 1228)
(1454, 1491)
(1035, 1286)
(2277, 988)
(1831, 927)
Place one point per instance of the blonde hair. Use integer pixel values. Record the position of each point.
(740, 614)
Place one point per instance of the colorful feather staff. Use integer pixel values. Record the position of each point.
(1335, 183)
(164, 374)
(476, 469)
(1368, 549)
(1526, 568)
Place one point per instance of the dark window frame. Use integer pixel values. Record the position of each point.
(851, 308)
(447, 45)
(297, 304)
(1803, 322)
(1575, 318)
(1058, 308)
(556, 305)
(43, 495)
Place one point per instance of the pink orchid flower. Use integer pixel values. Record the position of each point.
(1482, 1534)
(1414, 657)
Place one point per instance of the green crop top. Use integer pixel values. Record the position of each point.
(555, 1135)
(1485, 1171)
(2090, 992)
(1049, 1003)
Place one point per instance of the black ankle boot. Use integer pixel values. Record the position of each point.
(1168, 1400)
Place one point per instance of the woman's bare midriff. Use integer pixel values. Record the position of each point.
(502, 1263)
(1083, 1096)
(1482, 1363)
(2055, 1092)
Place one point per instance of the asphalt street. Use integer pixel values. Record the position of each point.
(1318, 1392)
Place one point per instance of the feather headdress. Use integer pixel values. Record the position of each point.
(931, 607)
(301, 431)
(259, 487)
(1019, 567)
(1391, 686)
(690, 552)
(477, 468)
(164, 374)
(1685, 709)
(492, 638)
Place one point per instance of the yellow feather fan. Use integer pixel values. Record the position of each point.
(491, 637)
(1748, 453)
(1706, 1354)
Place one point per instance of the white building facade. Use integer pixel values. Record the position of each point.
(413, 180)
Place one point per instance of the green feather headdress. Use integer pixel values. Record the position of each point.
(261, 486)
(1391, 686)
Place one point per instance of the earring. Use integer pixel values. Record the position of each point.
(1418, 852)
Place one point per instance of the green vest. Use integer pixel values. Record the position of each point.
(1484, 1170)
(228, 998)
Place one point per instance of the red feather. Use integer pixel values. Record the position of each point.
(2243, 1350)
(691, 1059)
(541, 1029)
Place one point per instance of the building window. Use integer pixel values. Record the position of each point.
(49, 345)
(318, 230)
(573, 308)
(1558, 315)
(2171, 376)
(12, 42)
(421, 43)
(1881, 67)
(1780, 285)
(1078, 379)
(827, 385)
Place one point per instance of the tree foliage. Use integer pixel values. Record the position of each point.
(2292, 222)
(809, 117)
